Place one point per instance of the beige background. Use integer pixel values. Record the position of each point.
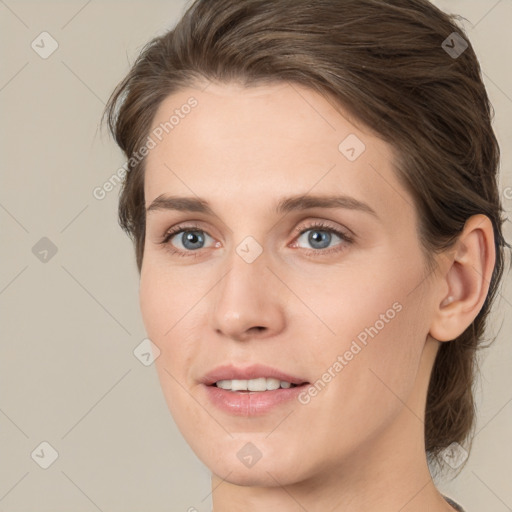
(70, 325)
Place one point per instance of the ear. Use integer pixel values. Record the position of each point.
(465, 279)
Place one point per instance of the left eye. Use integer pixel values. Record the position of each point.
(320, 238)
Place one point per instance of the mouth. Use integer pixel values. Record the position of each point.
(251, 391)
(256, 377)
(259, 384)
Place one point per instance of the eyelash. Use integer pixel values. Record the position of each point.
(319, 226)
(175, 231)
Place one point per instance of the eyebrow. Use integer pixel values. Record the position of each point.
(285, 205)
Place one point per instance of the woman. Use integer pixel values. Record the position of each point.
(312, 193)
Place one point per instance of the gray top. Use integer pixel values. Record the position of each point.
(450, 502)
(454, 505)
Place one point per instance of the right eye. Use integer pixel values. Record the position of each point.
(185, 239)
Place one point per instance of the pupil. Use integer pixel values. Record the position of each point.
(317, 237)
(192, 240)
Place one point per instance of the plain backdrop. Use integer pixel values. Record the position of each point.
(70, 318)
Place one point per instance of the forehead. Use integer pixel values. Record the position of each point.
(257, 144)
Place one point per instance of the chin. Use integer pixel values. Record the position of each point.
(254, 477)
(272, 469)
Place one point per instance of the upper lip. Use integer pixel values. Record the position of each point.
(231, 372)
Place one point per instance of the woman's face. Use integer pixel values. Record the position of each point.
(301, 256)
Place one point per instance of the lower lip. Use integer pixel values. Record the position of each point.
(251, 403)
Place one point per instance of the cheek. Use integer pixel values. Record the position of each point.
(369, 330)
(165, 296)
(156, 306)
(362, 300)
(168, 310)
(369, 369)
(164, 304)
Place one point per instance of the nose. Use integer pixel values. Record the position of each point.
(248, 301)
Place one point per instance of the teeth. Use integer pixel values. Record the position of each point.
(260, 384)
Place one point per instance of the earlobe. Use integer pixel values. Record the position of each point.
(467, 277)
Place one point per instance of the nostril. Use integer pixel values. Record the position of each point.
(258, 328)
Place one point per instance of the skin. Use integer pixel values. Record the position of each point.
(359, 444)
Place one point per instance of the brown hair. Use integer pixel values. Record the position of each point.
(384, 62)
